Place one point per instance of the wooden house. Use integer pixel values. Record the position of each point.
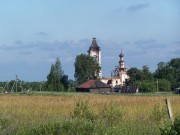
(95, 86)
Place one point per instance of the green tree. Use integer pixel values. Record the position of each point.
(85, 68)
(164, 85)
(51, 79)
(139, 75)
(146, 74)
(169, 71)
(146, 86)
(65, 82)
(135, 75)
(54, 78)
(1, 89)
(72, 86)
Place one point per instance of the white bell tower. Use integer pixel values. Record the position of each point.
(95, 52)
(121, 62)
(122, 70)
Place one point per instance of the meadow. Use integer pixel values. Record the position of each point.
(87, 113)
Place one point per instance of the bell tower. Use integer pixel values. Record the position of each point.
(121, 62)
(122, 70)
(95, 52)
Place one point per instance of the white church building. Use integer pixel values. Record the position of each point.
(118, 76)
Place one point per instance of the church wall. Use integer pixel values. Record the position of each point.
(96, 53)
(114, 81)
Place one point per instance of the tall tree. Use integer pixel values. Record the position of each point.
(85, 68)
(51, 79)
(142, 78)
(65, 82)
(169, 71)
(135, 75)
(54, 78)
(146, 74)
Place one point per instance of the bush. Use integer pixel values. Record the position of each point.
(1, 89)
(146, 86)
(7, 126)
(48, 128)
(171, 128)
(83, 111)
(158, 113)
(164, 85)
(112, 113)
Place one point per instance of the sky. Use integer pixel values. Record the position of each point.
(33, 33)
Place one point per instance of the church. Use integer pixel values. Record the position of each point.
(118, 75)
(115, 83)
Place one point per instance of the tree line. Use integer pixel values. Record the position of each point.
(165, 78)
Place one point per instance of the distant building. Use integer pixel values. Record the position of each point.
(129, 89)
(107, 84)
(118, 76)
(94, 86)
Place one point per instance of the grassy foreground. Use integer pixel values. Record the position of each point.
(88, 113)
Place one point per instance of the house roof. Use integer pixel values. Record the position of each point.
(94, 84)
(87, 84)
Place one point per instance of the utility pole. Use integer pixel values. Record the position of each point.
(157, 85)
(21, 86)
(16, 82)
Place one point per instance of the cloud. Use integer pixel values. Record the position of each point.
(39, 52)
(69, 59)
(149, 44)
(18, 42)
(137, 7)
(37, 57)
(25, 52)
(40, 55)
(176, 42)
(147, 41)
(43, 34)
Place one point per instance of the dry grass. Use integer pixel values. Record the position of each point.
(32, 109)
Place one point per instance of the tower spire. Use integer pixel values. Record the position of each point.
(121, 54)
(121, 62)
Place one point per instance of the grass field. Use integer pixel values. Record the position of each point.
(26, 110)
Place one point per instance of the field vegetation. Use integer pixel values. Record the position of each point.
(72, 113)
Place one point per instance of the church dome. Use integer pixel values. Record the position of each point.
(121, 55)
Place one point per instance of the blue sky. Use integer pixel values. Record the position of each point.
(33, 33)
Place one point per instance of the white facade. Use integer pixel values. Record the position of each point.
(120, 78)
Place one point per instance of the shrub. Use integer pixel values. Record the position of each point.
(164, 85)
(111, 113)
(171, 128)
(49, 128)
(4, 123)
(7, 126)
(146, 86)
(1, 89)
(83, 111)
(158, 113)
